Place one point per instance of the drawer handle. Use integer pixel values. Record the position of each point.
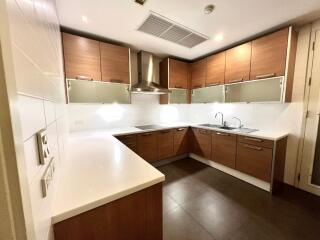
(146, 134)
(253, 139)
(84, 78)
(213, 84)
(266, 76)
(180, 129)
(223, 134)
(116, 81)
(236, 80)
(197, 86)
(177, 86)
(203, 132)
(253, 147)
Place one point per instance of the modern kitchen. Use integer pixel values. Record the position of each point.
(151, 120)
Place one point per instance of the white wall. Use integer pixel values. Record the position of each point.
(38, 69)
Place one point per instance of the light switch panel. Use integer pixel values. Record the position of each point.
(43, 147)
(47, 178)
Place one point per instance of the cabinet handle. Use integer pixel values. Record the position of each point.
(177, 86)
(180, 129)
(116, 81)
(146, 134)
(252, 147)
(253, 139)
(266, 75)
(84, 78)
(197, 86)
(236, 80)
(203, 131)
(213, 84)
(223, 134)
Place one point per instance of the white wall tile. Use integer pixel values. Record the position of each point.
(50, 111)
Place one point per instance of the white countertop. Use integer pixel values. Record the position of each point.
(99, 169)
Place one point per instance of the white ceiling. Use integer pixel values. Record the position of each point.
(118, 20)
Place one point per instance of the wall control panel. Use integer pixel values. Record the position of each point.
(43, 147)
(48, 177)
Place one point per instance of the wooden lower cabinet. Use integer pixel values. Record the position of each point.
(254, 160)
(224, 148)
(130, 141)
(165, 144)
(148, 146)
(181, 141)
(136, 217)
(201, 142)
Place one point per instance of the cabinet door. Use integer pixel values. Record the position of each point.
(165, 144)
(224, 147)
(81, 57)
(148, 146)
(198, 73)
(181, 143)
(129, 140)
(269, 55)
(114, 63)
(238, 61)
(202, 142)
(254, 160)
(216, 65)
(178, 74)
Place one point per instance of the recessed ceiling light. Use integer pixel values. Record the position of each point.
(84, 19)
(209, 9)
(218, 37)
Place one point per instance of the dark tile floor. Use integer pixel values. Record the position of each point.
(203, 203)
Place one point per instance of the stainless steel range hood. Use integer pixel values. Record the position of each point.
(146, 76)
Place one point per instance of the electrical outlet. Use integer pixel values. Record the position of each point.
(43, 147)
(47, 178)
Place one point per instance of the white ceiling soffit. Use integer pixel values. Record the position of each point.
(164, 28)
(234, 20)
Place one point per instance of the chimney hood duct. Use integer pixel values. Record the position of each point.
(146, 76)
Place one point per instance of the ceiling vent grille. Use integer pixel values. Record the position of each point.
(167, 29)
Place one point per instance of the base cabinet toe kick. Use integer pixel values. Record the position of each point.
(137, 216)
(259, 158)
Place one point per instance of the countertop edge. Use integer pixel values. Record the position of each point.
(100, 202)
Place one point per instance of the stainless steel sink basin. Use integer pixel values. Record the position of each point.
(240, 130)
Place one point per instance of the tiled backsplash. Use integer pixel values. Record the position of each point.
(37, 56)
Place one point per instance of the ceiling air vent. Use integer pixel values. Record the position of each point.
(167, 29)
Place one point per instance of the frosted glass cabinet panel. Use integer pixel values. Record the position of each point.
(178, 96)
(268, 90)
(208, 94)
(97, 92)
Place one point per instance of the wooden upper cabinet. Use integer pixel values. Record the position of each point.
(216, 65)
(269, 55)
(81, 57)
(114, 63)
(198, 73)
(178, 74)
(238, 61)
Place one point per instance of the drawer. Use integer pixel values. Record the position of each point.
(254, 160)
(256, 141)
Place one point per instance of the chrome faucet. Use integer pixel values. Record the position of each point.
(223, 123)
(240, 123)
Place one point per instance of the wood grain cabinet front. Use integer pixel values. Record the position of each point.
(130, 141)
(198, 73)
(269, 55)
(165, 144)
(254, 160)
(224, 148)
(114, 63)
(238, 60)
(178, 74)
(81, 57)
(201, 142)
(181, 141)
(148, 146)
(216, 65)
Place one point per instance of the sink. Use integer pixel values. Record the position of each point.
(239, 130)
